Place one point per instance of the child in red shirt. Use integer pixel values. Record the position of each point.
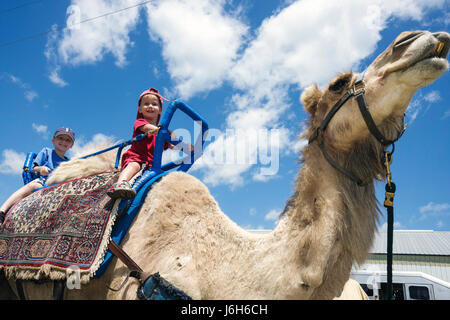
(140, 153)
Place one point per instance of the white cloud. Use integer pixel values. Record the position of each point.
(29, 93)
(413, 110)
(446, 115)
(420, 105)
(272, 215)
(295, 45)
(434, 211)
(90, 41)
(83, 146)
(41, 129)
(200, 41)
(245, 144)
(17, 81)
(286, 51)
(52, 58)
(432, 96)
(434, 207)
(397, 226)
(12, 162)
(56, 78)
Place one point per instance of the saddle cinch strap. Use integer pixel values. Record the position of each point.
(154, 287)
(126, 259)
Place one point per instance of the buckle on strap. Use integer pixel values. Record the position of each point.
(357, 88)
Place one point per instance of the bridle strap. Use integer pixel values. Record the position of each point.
(350, 175)
(335, 109)
(357, 91)
(362, 105)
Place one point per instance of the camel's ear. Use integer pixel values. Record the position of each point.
(310, 98)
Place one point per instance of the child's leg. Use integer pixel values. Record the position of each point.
(21, 193)
(129, 171)
(122, 189)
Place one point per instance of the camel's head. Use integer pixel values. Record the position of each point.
(413, 60)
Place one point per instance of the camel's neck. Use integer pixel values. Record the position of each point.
(331, 220)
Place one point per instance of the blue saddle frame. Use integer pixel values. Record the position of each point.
(28, 173)
(143, 184)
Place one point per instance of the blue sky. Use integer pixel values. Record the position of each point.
(241, 64)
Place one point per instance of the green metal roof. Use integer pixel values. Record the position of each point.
(417, 242)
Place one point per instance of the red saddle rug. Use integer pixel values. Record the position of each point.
(59, 227)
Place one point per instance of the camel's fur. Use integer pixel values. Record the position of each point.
(327, 226)
(77, 167)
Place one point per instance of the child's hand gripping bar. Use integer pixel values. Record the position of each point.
(164, 135)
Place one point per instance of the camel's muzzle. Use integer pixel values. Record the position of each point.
(442, 46)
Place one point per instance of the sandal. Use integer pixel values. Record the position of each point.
(121, 190)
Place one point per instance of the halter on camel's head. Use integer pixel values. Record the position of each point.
(356, 91)
(413, 60)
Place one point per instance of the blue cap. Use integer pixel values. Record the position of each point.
(66, 131)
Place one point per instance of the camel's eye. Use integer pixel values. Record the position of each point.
(339, 84)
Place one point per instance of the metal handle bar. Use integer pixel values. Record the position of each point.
(186, 162)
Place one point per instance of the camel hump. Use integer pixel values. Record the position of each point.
(179, 193)
(182, 184)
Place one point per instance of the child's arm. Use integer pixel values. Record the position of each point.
(171, 146)
(38, 162)
(148, 128)
(152, 129)
(42, 170)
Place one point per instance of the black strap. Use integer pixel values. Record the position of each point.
(357, 90)
(19, 288)
(389, 205)
(335, 109)
(134, 274)
(360, 98)
(390, 240)
(350, 175)
(58, 289)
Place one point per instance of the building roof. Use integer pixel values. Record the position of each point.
(418, 242)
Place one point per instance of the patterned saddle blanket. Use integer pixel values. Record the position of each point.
(59, 229)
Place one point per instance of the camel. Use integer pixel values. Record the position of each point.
(328, 223)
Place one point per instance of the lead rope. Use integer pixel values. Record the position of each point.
(389, 205)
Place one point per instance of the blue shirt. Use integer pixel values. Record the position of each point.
(49, 158)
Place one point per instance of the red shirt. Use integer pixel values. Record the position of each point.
(140, 151)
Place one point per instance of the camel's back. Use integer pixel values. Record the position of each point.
(181, 196)
(77, 167)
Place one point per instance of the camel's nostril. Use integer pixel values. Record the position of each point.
(408, 38)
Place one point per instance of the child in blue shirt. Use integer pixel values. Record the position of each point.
(45, 162)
